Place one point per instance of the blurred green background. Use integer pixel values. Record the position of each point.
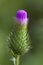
(34, 9)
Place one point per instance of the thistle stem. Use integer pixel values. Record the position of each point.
(17, 60)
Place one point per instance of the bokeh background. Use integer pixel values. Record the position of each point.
(34, 9)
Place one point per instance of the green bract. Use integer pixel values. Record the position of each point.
(19, 39)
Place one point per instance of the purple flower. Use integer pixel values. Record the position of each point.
(21, 16)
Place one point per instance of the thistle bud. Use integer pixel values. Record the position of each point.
(19, 40)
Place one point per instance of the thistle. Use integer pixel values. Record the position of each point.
(19, 39)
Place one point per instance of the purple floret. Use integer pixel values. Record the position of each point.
(21, 16)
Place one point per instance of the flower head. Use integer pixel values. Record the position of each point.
(21, 16)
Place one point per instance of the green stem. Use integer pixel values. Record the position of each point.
(17, 60)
